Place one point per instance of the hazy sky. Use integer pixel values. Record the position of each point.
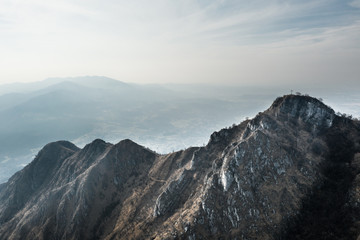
(147, 41)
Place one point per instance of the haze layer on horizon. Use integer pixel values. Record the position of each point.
(218, 42)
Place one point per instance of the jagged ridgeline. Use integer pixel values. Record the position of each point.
(292, 172)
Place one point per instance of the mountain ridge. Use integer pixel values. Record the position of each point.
(158, 116)
(272, 177)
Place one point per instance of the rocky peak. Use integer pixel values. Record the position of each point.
(55, 148)
(48, 158)
(95, 146)
(22, 186)
(309, 109)
(127, 143)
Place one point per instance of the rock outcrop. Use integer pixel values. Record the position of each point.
(292, 172)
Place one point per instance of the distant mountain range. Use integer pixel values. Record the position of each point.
(292, 172)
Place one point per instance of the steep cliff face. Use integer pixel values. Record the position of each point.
(292, 172)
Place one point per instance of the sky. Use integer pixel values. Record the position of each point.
(258, 42)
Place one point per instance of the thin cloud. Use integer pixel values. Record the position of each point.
(201, 41)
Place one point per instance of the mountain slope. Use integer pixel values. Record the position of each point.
(83, 108)
(292, 172)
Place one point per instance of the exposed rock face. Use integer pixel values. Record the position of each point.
(169, 199)
(310, 110)
(292, 172)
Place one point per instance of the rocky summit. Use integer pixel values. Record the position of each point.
(292, 172)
